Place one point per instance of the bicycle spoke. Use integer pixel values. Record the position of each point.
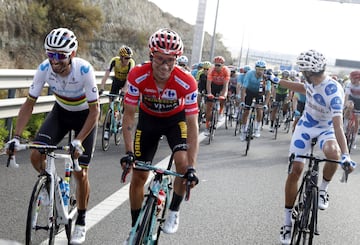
(38, 225)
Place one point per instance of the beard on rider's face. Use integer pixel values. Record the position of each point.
(59, 66)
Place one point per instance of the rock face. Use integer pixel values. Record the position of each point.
(125, 23)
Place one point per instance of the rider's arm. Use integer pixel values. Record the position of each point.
(294, 86)
(225, 89)
(107, 73)
(192, 138)
(339, 134)
(24, 115)
(208, 85)
(103, 81)
(90, 122)
(295, 102)
(243, 94)
(129, 126)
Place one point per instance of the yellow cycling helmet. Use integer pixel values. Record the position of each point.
(206, 64)
(125, 52)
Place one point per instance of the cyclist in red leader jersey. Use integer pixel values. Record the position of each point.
(168, 106)
(217, 85)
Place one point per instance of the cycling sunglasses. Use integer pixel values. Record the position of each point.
(58, 56)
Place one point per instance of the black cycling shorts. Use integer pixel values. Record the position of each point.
(59, 122)
(116, 86)
(151, 128)
(259, 98)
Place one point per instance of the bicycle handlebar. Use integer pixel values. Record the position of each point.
(345, 166)
(144, 166)
(46, 149)
(113, 95)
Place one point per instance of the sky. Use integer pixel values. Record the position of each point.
(280, 26)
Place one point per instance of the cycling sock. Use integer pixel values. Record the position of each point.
(324, 185)
(134, 216)
(81, 217)
(175, 202)
(288, 212)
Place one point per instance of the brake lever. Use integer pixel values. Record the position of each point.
(345, 175)
(187, 194)
(11, 158)
(125, 172)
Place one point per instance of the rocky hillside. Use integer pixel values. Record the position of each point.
(126, 22)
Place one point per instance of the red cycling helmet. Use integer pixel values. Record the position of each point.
(219, 60)
(166, 41)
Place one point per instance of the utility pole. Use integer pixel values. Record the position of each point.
(198, 33)
(214, 33)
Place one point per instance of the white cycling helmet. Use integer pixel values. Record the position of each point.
(312, 61)
(61, 39)
(183, 60)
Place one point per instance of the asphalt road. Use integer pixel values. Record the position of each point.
(239, 199)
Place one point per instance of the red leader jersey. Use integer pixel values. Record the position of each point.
(179, 93)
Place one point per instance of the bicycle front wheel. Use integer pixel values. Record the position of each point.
(161, 215)
(106, 134)
(117, 135)
(40, 222)
(212, 125)
(306, 224)
(143, 234)
(249, 135)
(72, 208)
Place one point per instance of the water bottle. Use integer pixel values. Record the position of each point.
(161, 201)
(66, 193)
(64, 188)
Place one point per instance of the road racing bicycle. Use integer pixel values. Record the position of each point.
(53, 198)
(148, 226)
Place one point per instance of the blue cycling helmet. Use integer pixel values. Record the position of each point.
(260, 64)
(247, 68)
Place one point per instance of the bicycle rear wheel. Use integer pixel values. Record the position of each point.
(39, 226)
(350, 138)
(106, 130)
(143, 233)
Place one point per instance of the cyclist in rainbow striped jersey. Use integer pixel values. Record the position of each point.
(72, 81)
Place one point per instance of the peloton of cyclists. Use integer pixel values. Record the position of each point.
(254, 87)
